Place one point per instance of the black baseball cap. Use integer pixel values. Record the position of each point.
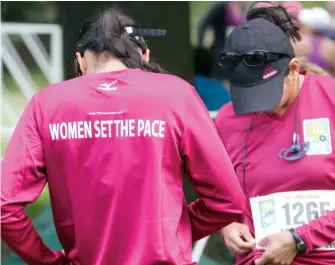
(258, 89)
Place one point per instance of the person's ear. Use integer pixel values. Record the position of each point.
(146, 56)
(82, 63)
(294, 69)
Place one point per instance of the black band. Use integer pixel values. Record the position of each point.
(300, 245)
(295, 236)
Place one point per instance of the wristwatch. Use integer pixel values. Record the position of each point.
(300, 245)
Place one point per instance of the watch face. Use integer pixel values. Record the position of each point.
(301, 246)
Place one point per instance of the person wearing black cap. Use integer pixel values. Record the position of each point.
(114, 145)
(290, 217)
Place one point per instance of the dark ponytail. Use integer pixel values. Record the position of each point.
(152, 67)
(277, 15)
(106, 32)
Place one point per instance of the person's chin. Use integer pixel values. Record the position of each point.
(273, 111)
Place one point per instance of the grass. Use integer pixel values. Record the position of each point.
(37, 207)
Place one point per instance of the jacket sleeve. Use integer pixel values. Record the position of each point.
(221, 200)
(319, 232)
(22, 181)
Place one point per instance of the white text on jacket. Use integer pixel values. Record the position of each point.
(107, 129)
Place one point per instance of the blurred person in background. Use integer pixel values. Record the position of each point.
(113, 145)
(292, 7)
(331, 8)
(279, 132)
(315, 45)
(306, 66)
(211, 91)
(219, 17)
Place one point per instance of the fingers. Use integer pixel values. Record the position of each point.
(248, 242)
(243, 244)
(237, 245)
(236, 249)
(248, 236)
(238, 238)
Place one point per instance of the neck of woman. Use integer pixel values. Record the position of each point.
(110, 65)
(294, 94)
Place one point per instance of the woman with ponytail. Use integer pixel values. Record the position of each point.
(114, 145)
(279, 132)
(111, 39)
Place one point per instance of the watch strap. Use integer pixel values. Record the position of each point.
(300, 244)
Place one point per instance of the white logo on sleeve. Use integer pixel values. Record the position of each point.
(108, 86)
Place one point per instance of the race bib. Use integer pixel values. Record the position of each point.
(279, 212)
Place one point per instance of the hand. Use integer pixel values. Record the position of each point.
(280, 249)
(238, 238)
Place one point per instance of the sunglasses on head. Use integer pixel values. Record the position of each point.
(251, 59)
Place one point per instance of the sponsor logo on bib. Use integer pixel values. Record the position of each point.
(267, 212)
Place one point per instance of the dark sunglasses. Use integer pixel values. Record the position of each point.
(251, 59)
